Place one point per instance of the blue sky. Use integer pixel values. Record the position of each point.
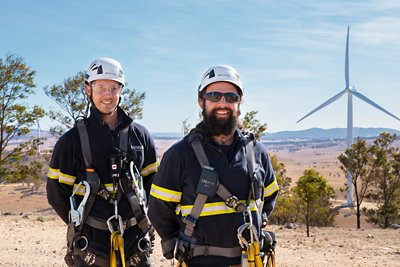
(290, 54)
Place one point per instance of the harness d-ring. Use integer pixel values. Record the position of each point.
(86, 242)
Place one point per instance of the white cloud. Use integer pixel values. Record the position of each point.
(382, 30)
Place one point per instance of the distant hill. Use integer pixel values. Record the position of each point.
(308, 134)
(336, 133)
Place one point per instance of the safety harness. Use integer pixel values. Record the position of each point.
(131, 185)
(209, 186)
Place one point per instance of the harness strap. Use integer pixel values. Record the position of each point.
(91, 176)
(85, 145)
(102, 224)
(216, 251)
(191, 219)
(141, 217)
(230, 200)
(91, 259)
(168, 245)
(123, 139)
(251, 158)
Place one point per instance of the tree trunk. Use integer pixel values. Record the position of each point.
(358, 216)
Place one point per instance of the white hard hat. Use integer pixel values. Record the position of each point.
(105, 69)
(221, 73)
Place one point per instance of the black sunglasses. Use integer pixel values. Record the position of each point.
(216, 97)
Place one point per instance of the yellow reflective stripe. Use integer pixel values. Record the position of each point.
(271, 188)
(81, 189)
(61, 177)
(215, 208)
(110, 188)
(165, 194)
(53, 173)
(149, 169)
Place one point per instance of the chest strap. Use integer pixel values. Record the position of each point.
(128, 180)
(208, 186)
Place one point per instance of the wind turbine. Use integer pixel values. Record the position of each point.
(38, 135)
(350, 92)
(184, 125)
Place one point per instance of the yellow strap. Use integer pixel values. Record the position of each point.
(117, 244)
(271, 260)
(257, 256)
(181, 264)
(251, 255)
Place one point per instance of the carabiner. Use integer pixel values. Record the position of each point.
(253, 234)
(120, 224)
(251, 226)
(76, 214)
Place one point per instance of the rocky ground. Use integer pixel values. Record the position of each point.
(32, 235)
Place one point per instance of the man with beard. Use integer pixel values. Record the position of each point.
(212, 182)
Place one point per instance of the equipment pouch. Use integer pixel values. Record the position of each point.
(268, 241)
(115, 165)
(208, 183)
(93, 179)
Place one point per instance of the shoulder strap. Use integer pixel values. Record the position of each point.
(85, 145)
(251, 159)
(91, 176)
(123, 139)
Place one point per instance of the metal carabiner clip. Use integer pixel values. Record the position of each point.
(242, 241)
(251, 225)
(120, 224)
(253, 234)
(76, 214)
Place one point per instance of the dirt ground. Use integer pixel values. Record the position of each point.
(32, 235)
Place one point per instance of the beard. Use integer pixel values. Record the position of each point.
(215, 126)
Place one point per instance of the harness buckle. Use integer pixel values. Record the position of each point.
(234, 203)
(190, 220)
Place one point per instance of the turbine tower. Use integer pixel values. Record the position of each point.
(184, 126)
(38, 136)
(350, 92)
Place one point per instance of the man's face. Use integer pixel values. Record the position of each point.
(105, 95)
(221, 116)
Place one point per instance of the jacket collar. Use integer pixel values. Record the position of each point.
(123, 119)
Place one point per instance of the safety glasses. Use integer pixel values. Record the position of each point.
(114, 90)
(216, 97)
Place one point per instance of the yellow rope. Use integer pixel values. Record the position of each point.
(117, 244)
(181, 264)
(257, 256)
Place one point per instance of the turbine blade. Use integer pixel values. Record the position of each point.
(372, 103)
(346, 67)
(332, 99)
